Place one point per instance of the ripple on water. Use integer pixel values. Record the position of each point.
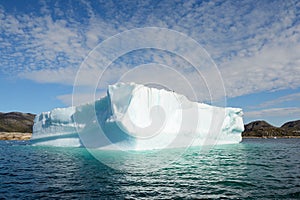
(252, 169)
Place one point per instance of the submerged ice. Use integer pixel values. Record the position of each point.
(137, 117)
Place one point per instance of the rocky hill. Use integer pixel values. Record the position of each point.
(292, 125)
(264, 129)
(16, 122)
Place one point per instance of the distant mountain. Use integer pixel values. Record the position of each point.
(264, 129)
(16, 122)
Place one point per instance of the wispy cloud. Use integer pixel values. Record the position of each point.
(274, 67)
(278, 112)
(37, 42)
(64, 76)
(284, 99)
(254, 43)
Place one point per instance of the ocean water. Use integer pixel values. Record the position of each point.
(255, 168)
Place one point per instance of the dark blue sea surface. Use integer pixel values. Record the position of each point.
(255, 168)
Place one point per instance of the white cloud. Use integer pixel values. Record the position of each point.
(255, 44)
(63, 76)
(278, 112)
(47, 43)
(274, 67)
(287, 98)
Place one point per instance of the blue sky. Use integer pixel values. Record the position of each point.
(255, 45)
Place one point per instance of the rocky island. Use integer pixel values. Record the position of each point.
(18, 126)
(263, 129)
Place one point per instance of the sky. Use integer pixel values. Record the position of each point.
(254, 47)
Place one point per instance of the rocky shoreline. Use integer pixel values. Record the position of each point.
(15, 136)
(279, 137)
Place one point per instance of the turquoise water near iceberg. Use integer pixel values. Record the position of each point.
(255, 168)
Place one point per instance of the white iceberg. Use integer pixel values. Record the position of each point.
(137, 117)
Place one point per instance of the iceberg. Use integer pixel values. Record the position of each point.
(136, 117)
